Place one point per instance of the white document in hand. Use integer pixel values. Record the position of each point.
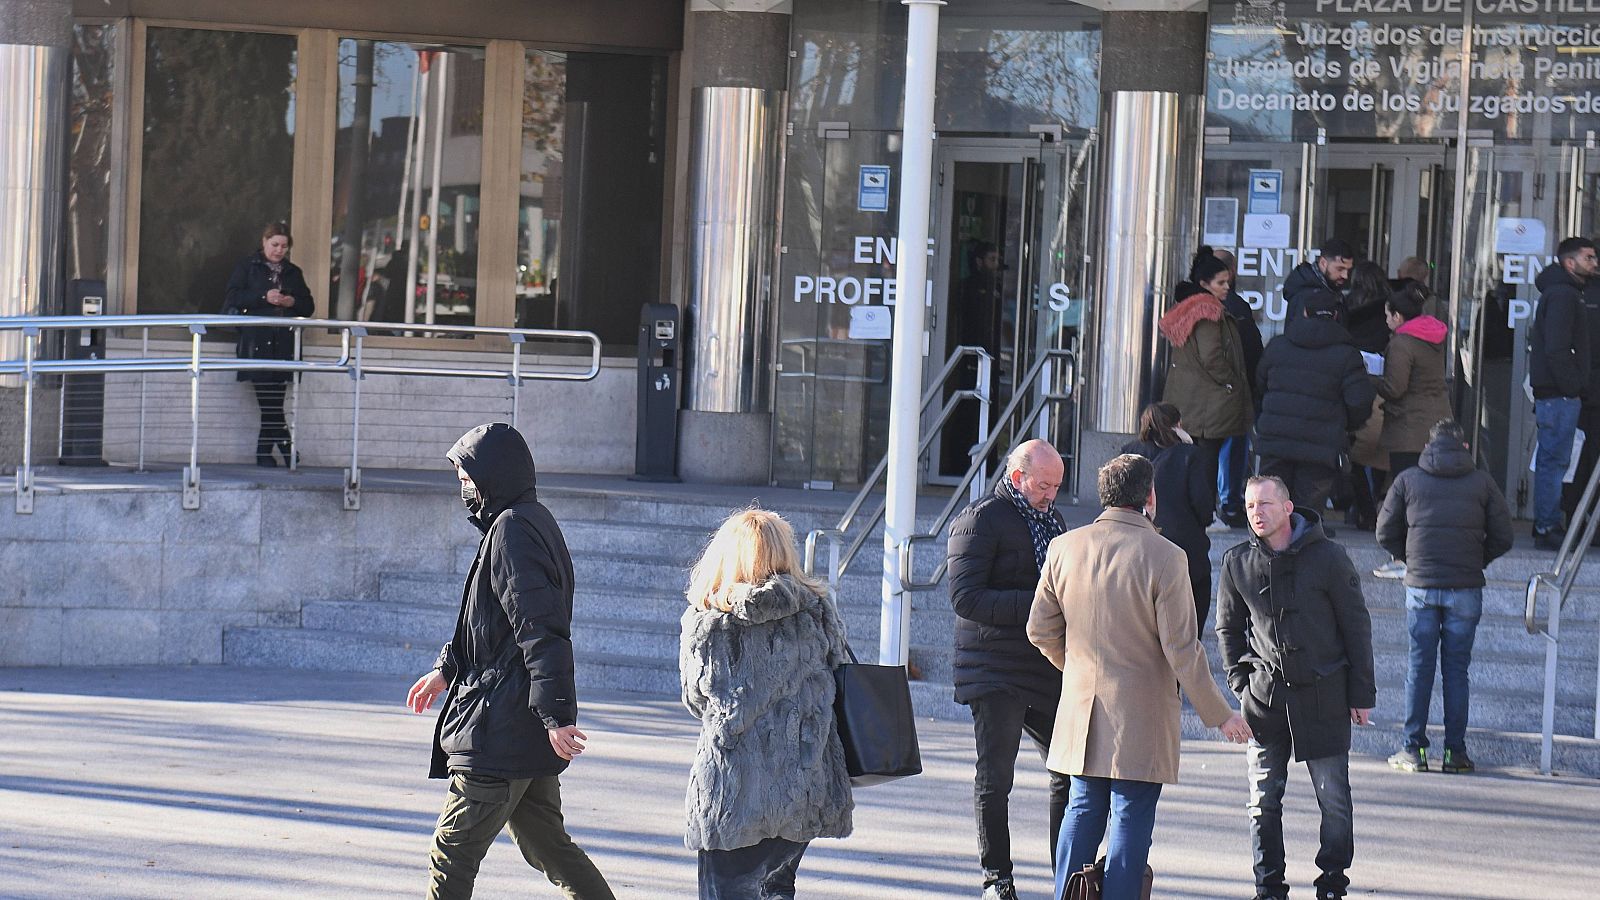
(1374, 363)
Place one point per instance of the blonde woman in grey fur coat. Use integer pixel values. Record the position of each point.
(760, 643)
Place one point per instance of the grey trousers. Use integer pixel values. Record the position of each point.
(478, 807)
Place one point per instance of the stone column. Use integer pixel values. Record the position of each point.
(35, 41)
(736, 58)
(1152, 95)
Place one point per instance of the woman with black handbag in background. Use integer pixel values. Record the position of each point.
(265, 283)
(760, 644)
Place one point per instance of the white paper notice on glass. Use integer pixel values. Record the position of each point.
(1374, 363)
(1268, 231)
(1220, 224)
(1519, 236)
(871, 323)
(1571, 475)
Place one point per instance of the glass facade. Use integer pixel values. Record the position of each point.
(94, 89)
(1017, 97)
(591, 188)
(217, 159)
(1344, 120)
(408, 168)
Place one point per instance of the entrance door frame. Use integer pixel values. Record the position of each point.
(1049, 159)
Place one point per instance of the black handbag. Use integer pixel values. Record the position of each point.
(872, 711)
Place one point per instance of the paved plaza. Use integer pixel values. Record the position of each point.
(205, 782)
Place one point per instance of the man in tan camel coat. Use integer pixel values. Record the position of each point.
(1115, 613)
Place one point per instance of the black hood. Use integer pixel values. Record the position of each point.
(497, 460)
(1555, 275)
(1312, 332)
(1445, 458)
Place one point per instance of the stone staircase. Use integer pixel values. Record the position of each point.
(632, 555)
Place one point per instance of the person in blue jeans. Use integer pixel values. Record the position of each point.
(1447, 520)
(1558, 374)
(1122, 592)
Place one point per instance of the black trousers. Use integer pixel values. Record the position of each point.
(274, 427)
(1310, 484)
(763, 871)
(999, 720)
(1399, 462)
(1210, 453)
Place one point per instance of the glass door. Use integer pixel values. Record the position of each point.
(1001, 234)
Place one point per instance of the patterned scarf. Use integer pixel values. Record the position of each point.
(1043, 526)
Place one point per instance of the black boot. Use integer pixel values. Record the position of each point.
(264, 454)
(286, 450)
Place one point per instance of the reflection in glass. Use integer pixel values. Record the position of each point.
(89, 171)
(1001, 67)
(589, 213)
(218, 159)
(539, 210)
(408, 166)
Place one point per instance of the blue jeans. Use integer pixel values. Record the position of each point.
(1231, 475)
(1443, 623)
(1557, 419)
(1330, 778)
(1131, 808)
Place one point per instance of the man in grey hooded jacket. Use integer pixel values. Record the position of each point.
(509, 723)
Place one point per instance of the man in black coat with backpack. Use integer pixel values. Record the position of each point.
(509, 724)
(997, 546)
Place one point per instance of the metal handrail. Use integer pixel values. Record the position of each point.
(1563, 574)
(980, 391)
(352, 336)
(908, 581)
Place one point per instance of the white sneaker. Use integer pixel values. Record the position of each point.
(1394, 568)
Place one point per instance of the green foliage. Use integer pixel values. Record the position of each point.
(218, 159)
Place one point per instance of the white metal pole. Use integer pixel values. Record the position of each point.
(911, 275)
(405, 177)
(420, 115)
(433, 201)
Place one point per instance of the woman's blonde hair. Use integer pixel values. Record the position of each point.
(750, 547)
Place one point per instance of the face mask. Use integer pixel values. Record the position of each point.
(469, 496)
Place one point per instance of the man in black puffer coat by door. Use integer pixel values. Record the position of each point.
(1314, 391)
(509, 725)
(997, 546)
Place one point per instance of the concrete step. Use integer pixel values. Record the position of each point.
(1516, 567)
(1496, 634)
(1502, 598)
(331, 651)
(1516, 750)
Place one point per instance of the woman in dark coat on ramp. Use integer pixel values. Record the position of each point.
(265, 283)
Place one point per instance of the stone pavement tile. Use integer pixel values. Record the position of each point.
(246, 783)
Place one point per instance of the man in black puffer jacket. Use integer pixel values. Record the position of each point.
(1558, 373)
(997, 546)
(1447, 520)
(509, 724)
(1314, 391)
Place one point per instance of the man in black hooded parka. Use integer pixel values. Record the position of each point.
(1314, 391)
(508, 726)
